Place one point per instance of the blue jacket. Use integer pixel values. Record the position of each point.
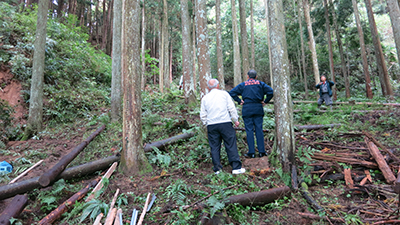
(252, 92)
(329, 85)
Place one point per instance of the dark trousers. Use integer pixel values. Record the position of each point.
(252, 124)
(217, 133)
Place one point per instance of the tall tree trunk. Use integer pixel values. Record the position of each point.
(220, 56)
(328, 36)
(252, 34)
(165, 42)
(170, 62)
(203, 53)
(116, 62)
(106, 24)
(363, 51)
(96, 20)
(237, 78)
(271, 76)
(394, 12)
(161, 60)
(341, 52)
(380, 59)
(133, 159)
(243, 34)
(110, 27)
(60, 8)
(311, 41)
(194, 47)
(187, 63)
(143, 45)
(89, 20)
(303, 55)
(284, 138)
(35, 118)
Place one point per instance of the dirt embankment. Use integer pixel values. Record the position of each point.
(10, 91)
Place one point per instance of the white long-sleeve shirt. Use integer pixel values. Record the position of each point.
(217, 107)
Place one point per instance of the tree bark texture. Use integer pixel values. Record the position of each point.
(133, 160)
(313, 50)
(194, 53)
(303, 55)
(50, 175)
(116, 62)
(65, 206)
(10, 190)
(161, 144)
(328, 36)
(187, 62)
(35, 118)
(341, 52)
(394, 12)
(220, 56)
(261, 197)
(368, 90)
(284, 141)
(161, 60)
(243, 34)
(380, 59)
(252, 34)
(237, 77)
(203, 53)
(13, 210)
(143, 53)
(60, 8)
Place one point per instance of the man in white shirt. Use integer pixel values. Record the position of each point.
(217, 113)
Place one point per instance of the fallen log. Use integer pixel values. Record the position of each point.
(98, 187)
(10, 190)
(50, 175)
(383, 166)
(316, 127)
(352, 103)
(377, 143)
(16, 206)
(351, 161)
(306, 194)
(255, 198)
(55, 214)
(161, 144)
(259, 198)
(316, 217)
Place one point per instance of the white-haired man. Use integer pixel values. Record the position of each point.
(217, 113)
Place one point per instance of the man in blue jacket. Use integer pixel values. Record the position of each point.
(253, 92)
(325, 92)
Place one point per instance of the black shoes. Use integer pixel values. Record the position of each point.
(262, 154)
(247, 155)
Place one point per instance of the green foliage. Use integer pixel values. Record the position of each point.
(48, 199)
(215, 204)
(177, 192)
(162, 160)
(93, 208)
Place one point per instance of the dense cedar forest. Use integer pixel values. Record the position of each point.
(100, 104)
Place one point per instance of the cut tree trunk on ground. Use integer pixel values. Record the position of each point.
(351, 103)
(383, 166)
(306, 194)
(55, 214)
(352, 161)
(20, 187)
(51, 175)
(316, 127)
(256, 198)
(161, 144)
(16, 206)
(394, 157)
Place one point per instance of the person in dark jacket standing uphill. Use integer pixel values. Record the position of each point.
(253, 92)
(325, 92)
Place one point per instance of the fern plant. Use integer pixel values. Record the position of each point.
(49, 199)
(177, 192)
